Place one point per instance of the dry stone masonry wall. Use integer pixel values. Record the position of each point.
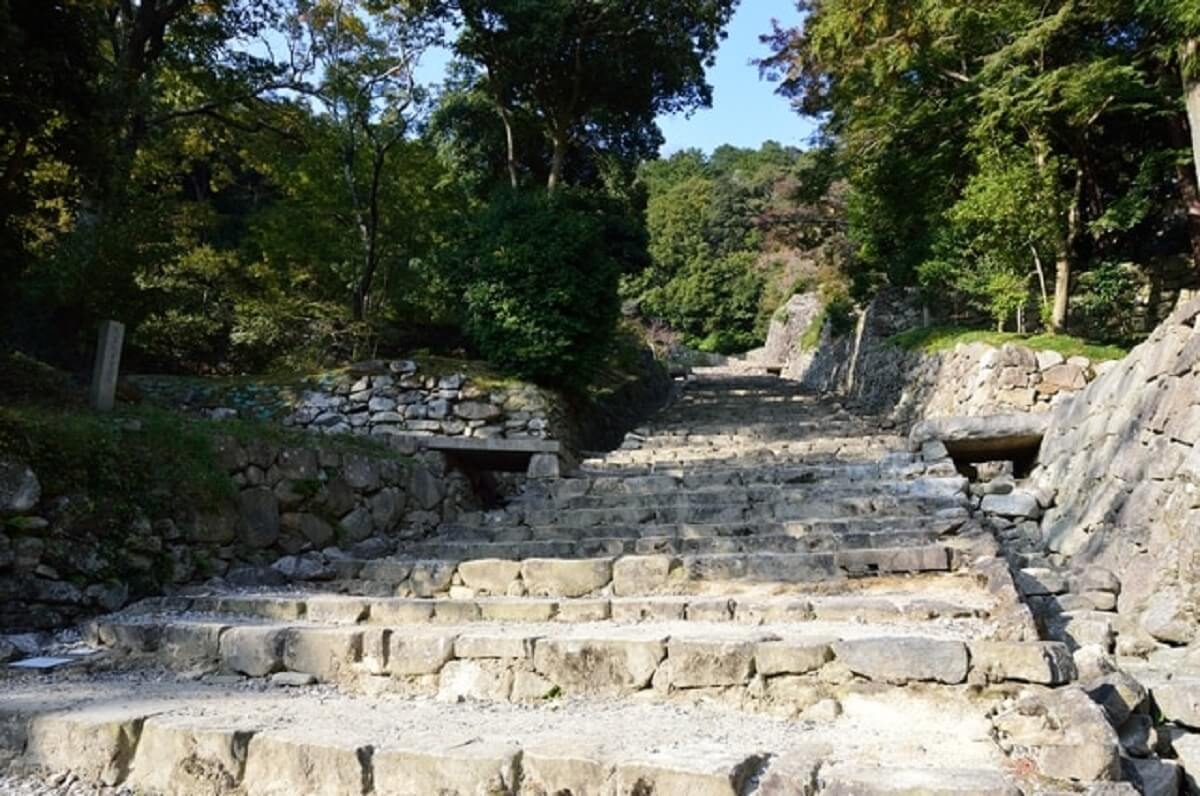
(381, 398)
(292, 512)
(1123, 459)
(971, 380)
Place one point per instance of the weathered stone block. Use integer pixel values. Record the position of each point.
(96, 744)
(187, 755)
(700, 664)
(778, 657)
(640, 575)
(472, 768)
(566, 577)
(280, 765)
(325, 653)
(903, 660)
(598, 666)
(416, 655)
(253, 651)
(259, 514)
(1045, 663)
(491, 575)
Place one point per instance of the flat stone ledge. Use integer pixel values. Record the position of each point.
(539, 458)
(987, 438)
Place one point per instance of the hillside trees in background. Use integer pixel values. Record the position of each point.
(943, 112)
(731, 237)
(542, 301)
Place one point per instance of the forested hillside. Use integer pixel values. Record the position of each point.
(256, 184)
(1031, 160)
(732, 236)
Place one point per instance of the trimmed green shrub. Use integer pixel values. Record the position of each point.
(541, 299)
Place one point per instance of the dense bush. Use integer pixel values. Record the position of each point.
(541, 299)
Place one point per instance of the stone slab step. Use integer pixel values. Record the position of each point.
(629, 575)
(505, 528)
(631, 466)
(955, 598)
(594, 544)
(717, 478)
(797, 511)
(467, 527)
(676, 494)
(773, 669)
(193, 739)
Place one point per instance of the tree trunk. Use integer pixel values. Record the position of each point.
(511, 144)
(362, 291)
(1191, 90)
(557, 163)
(1063, 259)
(1189, 189)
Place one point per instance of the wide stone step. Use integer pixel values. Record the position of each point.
(599, 480)
(191, 739)
(592, 544)
(627, 575)
(951, 599)
(817, 508)
(758, 669)
(848, 527)
(643, 463)
(677, 495)
(717, 479)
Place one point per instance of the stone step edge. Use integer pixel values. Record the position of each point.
(337, 609)
(151, 751)
(752, 495)
(818, 525)
(484, 665)
(502, 546)
(629, 576)
(791, 479)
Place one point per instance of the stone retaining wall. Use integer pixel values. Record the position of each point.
(1123, 459)
(378, 398)
(971, 380)
(289, 511)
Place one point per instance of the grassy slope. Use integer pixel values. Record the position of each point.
(944, 338)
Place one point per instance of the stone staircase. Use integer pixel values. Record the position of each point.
(760, 593)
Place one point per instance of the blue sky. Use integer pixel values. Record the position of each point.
(746, 111)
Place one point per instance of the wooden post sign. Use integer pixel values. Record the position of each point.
(103, 393)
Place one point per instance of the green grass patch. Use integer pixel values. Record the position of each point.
(933, 339)
(812, 335)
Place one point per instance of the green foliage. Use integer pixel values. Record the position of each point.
(159, 462)
(979, 140)
(724, 234)
(996, 235)
(541, 298)
(591, 76)
(1106, 286)
(932, 339)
